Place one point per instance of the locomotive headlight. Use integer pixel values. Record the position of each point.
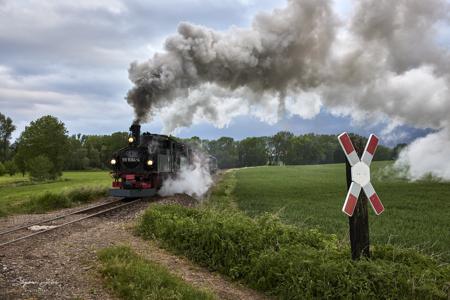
(130, 139)
(149, 162)
(113, 161)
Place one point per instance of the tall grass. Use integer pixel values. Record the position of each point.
(52, 201)
(291, 262)
(132, 277)
(417, 213)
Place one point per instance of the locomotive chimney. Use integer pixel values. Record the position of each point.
(136, 133)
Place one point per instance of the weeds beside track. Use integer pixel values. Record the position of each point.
(289, 262)
(53, 200)
(133, 277)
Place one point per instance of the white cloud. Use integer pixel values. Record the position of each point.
(306, 105)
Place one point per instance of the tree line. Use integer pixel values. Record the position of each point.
(44, 149)
(283, 148)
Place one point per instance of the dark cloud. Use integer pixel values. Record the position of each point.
(70, 59)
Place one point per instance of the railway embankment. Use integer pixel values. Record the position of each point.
(64, 263)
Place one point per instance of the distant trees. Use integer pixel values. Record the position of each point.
(280, 147)
(225, 149)
(44, 139)
(253, 152)
(93, 151)
(397, 149)
(6, 129)
(44, 149)
(284, 148)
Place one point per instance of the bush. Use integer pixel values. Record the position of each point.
(291, 262)
(52, 201)
(46, 202)
(40, 168)
(2, 169)
(133, 277)
(85, 195)
(10, 167)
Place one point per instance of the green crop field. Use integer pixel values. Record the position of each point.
(16, 189)
(417, 213)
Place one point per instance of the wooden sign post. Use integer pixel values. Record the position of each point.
(358, 177)
(359, 221)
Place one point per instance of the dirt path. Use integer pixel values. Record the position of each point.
(62, 264)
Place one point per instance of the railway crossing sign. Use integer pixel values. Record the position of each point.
(360, 174)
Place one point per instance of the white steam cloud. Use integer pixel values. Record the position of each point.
(194, 180)
(384, 62)
(436, 161)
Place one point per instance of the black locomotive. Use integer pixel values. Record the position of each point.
(140, 169)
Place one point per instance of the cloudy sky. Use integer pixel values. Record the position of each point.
(70, 59)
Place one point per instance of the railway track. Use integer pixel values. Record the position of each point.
(88, 212)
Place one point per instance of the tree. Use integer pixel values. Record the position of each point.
(252, 152)
(10, 167)
(40, 168)
(6, 129)
(383, 153)
(75, 155)
(46, 136)
(94, 157)
(225, 150)
(281, 145)
(100, 148)
(20, 162)
(2, 169)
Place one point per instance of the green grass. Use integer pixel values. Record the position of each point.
(132, 277)
(290, 262)
(16, 190)
(6, 180)
(49, 201)
(417, 214)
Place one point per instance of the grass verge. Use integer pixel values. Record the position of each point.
(17, 189)
(132, 277)
(51, 201)
(291, 262)
(417, 213)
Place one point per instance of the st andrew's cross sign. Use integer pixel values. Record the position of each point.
(360, 174)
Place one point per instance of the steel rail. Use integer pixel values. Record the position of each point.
(59, 217)
(68, 223)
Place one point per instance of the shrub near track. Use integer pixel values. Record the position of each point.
(290, 262)
(51, 201)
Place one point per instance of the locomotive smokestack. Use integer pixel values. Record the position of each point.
(136, 133)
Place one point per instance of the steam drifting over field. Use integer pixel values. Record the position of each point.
(384, 63)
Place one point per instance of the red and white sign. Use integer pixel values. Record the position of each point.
(360, 174)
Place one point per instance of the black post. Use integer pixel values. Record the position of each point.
(359, 222)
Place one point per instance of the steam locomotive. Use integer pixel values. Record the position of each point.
(140, 169)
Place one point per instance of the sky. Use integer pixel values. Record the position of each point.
(70, 59)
